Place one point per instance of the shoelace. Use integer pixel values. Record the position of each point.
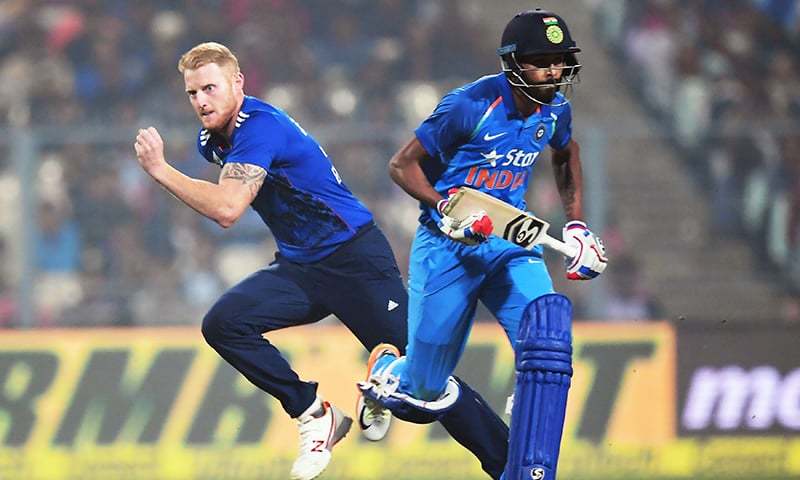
(306, 433)
(384, 385)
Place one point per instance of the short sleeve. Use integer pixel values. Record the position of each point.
(204, 146)
(563, 128)
(449, 126)
(258, 140)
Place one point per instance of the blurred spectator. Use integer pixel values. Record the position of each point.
(102, 304)
(360, 74)
(628, 300)
(200, 282)
(8, 297)
(726, 82)
(58, 243)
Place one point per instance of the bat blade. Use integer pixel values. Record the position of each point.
(512, 224)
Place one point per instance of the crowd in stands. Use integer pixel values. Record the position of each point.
(723, 76)
(109, 246)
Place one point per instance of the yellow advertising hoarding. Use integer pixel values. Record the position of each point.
(160, 404)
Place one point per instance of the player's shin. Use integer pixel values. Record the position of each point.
(544, 368)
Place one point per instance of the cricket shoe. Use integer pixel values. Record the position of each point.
(320, 430)
(373, 418)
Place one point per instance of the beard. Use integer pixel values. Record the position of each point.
(543, 92)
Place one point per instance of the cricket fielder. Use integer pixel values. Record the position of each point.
(331, 259)
(488, 135)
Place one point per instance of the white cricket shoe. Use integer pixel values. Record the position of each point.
(320, 430)
(374, 419)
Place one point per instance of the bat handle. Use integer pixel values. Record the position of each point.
(560, 247)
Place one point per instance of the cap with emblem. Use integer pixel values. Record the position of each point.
(536, 32)
(532, 33)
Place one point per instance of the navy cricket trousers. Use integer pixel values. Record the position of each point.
(356, 283)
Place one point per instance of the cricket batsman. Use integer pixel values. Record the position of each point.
(489, 135)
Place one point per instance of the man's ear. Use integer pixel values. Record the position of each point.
(238, 80)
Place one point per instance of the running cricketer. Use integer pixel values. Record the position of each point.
(331, 259)
(488, 135)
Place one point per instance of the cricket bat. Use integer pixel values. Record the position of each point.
(512, 224)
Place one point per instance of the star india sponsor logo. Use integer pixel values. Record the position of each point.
(492, 157)
(516, 157)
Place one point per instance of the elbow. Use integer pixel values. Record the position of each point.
(225, 223)
(395, 170)
(227, 217)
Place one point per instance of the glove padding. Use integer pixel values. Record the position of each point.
(591, 258)
(471, 230)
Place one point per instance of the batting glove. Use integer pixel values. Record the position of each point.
(471, 230)
(590, 260)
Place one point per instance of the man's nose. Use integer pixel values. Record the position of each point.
(555, 70)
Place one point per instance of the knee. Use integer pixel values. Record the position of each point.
(220, 321)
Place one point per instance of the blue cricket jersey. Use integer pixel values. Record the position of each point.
(303, 200)
(477, 138)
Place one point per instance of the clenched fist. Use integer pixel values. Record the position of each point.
(149, 150)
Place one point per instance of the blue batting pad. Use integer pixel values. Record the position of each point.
(544, 367)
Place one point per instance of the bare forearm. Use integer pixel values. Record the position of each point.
(406, 171)
(413, 181)
(569, 180)
(204, 197)
(223, 202)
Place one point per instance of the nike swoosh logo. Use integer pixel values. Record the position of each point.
(361, 420)
(489, 138)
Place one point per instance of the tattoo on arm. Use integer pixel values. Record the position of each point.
(565, 181)
(250, 175)
(568, 198)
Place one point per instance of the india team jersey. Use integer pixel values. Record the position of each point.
(303, 200)
(477, 138)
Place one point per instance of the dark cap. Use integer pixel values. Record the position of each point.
(536, 32)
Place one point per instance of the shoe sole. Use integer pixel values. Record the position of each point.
(374, 355)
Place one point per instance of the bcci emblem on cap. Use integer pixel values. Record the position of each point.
(554, 34)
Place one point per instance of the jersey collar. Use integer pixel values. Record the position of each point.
(508, 95)
(511, 107)
(247, 104)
